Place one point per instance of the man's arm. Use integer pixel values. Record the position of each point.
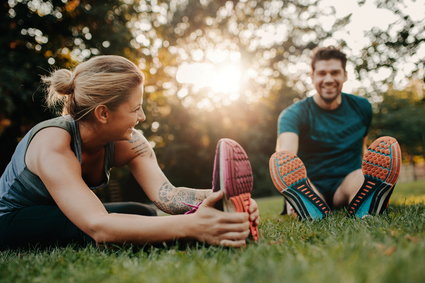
(364, 144)
(287, 141)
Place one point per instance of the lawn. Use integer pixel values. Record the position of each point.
(387, 248)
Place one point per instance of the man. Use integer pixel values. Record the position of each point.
(328, 132)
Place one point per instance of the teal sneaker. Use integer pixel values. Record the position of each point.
(381, 168)
(289, 176)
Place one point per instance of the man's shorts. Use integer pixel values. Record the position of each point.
(328, 187)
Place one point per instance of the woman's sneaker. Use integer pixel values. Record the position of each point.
(381, 167)
(233, 175)
(290, 179)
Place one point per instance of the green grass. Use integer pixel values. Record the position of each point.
(388, 248)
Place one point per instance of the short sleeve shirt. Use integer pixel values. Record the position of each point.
(330, 141)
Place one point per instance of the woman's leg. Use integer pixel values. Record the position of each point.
(130, 208)
(42, 225)
(47, 225)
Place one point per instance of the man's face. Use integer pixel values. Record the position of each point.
(328, 77)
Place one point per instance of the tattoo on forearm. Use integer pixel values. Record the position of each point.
(172, 200)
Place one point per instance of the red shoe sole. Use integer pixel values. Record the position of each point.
(233, 174)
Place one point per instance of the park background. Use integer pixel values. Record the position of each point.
(226, 69)
(218, 69)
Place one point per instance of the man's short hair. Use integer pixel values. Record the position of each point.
(327, 53)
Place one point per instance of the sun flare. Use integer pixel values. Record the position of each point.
(223, 81)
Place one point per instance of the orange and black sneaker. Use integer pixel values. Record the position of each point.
(381, 167)
(233, 175)
(289, 176)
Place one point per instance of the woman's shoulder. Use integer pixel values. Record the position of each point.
(55, 131)
(127, 150)
(51, 139)
(47, 143)
(63, 122)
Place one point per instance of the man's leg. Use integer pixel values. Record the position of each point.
(348, 189)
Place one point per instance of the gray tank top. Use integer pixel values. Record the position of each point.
(19, 187)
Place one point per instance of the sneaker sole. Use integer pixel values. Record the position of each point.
(233, 175)
(381, 168)
(289, 176)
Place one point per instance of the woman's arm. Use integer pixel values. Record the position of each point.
(143, 164)
(139, 154)
(173, 200)
(60, 171)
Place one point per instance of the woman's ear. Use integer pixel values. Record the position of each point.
(101, 113)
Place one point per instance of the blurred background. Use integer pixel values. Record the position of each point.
(218, 69)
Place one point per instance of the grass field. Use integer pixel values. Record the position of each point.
(387, 248)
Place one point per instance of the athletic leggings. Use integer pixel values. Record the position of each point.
(46, 225)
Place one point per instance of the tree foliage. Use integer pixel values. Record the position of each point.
(398, 49)
(401, 115)
(271, 39)
(38, 36)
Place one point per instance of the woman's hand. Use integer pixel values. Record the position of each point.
(254, 213)
(220, 228)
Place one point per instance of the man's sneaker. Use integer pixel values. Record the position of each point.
(289, 176)
(233, 175)
(381, 167)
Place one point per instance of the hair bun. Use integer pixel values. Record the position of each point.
(62, 82)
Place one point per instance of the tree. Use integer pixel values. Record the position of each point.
(399, 49)
(270, 38)
(400, 115)
(37, 35)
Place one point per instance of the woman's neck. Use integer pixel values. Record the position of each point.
(92, 137)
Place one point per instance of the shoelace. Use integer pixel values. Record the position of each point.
(194, 208)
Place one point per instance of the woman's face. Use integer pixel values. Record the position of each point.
(127, 115)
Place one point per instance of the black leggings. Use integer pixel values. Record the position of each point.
(47, 225)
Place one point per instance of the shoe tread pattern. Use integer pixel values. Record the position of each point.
(381, 167)
(289, 176)
(238, 178)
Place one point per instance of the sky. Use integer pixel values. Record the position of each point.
(366, 17)
(363, 19)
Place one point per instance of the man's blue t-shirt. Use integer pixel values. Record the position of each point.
(330, 141)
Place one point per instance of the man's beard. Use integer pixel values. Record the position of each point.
(329, 100)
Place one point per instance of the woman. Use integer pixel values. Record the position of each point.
(46, 190)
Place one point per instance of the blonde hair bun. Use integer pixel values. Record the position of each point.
(106, 80)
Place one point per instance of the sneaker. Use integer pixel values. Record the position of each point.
(233, 175)
(289, 176)
(381, 167)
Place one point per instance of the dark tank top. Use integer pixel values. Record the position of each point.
(19, 187)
